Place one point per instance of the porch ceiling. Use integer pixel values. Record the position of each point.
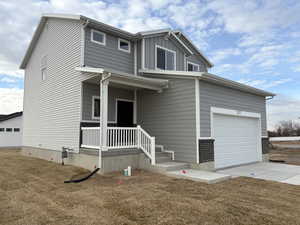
(123, 79)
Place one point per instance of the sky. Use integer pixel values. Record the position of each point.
(256, 42)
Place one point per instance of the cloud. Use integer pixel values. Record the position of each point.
(7, 80)
(11, 100)
(222, 54)
(265, 84)
(282, 108)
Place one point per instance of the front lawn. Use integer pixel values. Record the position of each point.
(32, 192)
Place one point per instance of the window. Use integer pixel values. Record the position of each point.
(124, 45)
(44, 74)
(96, 107)
(2, 129)
(8, 129)
(98, 37)
(16, 129)
(165, 59)
(192, 67)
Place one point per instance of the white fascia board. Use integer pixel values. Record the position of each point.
(151, 32)
(62, 16)
(90, 70)
(173, 72)
(177, 39)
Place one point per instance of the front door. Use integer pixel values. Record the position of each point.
(124, 113)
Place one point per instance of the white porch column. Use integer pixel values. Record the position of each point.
(103, 114)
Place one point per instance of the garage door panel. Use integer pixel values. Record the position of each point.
(236, 140)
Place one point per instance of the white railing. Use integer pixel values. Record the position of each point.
(120, 138)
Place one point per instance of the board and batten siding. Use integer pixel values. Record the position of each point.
(150, 44)
(52, 108)
(212, 95)
(195, 59)
(108, 55)
(170, 117)
(90, 90)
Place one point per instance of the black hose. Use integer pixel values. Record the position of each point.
(82, 179)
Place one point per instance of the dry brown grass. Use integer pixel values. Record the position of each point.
(32, 192)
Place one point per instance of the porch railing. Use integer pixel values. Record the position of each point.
(120, 138)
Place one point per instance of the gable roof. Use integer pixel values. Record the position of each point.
(10, 116)
(108, 28)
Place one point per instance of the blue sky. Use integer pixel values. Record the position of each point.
(256, 42)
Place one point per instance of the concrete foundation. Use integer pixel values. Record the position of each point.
(110, 162)
(265, 157)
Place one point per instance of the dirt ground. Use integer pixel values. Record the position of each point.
(32, 192)
(287, 155)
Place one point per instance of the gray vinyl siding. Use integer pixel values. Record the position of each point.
(90, 90)
(196, 59)
(212, 95)
(170, 117)
(52, 108)
(150, 52)
(108, 56)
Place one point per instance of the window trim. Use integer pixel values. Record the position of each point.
(94, 97)
(166, 49)
(194, 64)
(99, 32)
(129, 45)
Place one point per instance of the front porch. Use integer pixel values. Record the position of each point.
(109, 113)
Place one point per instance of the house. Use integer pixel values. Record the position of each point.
(150, 91)
(11, 130)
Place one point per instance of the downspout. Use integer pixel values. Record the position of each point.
(84, 25)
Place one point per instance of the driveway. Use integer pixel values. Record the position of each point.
(268, 171)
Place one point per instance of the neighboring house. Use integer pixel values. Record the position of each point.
(155, 93)
(11, 130)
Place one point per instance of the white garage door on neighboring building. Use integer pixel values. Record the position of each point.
(11, 130)
(237, 137)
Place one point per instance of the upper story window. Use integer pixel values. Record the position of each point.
(95, 107)
(98, 37)
(165, 58)
(124, 45)
(193, 66)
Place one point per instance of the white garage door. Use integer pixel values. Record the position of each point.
(236, 140)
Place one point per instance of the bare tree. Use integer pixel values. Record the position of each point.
(286, 128)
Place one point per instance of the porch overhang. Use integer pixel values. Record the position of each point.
(121, 78)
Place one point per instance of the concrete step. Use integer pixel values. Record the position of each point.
(163, 159)
(89, 151)
(163, 154)
(170, 166)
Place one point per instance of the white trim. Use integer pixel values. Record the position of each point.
(189, 50)
(210, 78)
(94, 97)
(96, 121)
(166, 49)
(197, 106)
(121, 49)
(90, 69)
(205, 138)
(93, 147)
(263, 136)
(232, 112)
(143, 53)
(150, 32)
(194, 64)
(99, 32)
(116, 107)
(238, 113)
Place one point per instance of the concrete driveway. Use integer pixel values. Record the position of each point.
(268, 171)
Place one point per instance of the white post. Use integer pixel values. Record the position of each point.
(153, 150)
(138, 136)
(103, 114)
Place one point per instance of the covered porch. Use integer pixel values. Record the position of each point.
(111, 124)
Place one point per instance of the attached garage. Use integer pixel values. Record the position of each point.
(237, 136)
